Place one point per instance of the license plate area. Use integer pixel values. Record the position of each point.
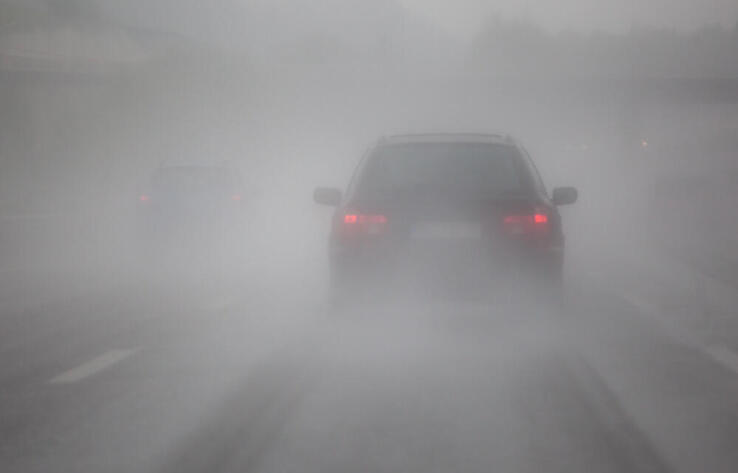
(447, 231)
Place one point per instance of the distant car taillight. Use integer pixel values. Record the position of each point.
(363, 224)
(534, 224)
(236, 197)
(144, 198)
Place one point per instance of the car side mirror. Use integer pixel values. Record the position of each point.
(327, 196)
(564, 195)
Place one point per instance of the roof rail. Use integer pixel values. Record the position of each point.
(510, 139)
(445, 133)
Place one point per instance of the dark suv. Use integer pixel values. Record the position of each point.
(445, 211)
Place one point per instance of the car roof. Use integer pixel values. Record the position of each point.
(227, 165)
(498, 138)
(192, 166)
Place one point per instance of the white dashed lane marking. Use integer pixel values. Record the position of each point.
(93, 366)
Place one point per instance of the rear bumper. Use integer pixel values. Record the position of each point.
(463, 270)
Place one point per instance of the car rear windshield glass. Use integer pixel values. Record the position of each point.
(457, 168)
(193, 179)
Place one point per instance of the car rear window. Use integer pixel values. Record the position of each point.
(193, 179)
(456, 168)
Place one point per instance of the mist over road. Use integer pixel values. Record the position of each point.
(216, 348)
(115, 363)
(175, 376)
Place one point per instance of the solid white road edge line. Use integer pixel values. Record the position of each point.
(93, 366)
(724, 356)
(720, 354)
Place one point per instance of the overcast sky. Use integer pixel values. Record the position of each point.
(464, 17)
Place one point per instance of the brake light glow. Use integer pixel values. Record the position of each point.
(536, 223)
(526, 219)
(364, 219)
(236, 197)
(363, 224)
(144, 198)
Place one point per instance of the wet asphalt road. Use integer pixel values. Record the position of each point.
(187, 377)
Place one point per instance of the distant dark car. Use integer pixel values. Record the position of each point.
(444, 211)
(190, 203)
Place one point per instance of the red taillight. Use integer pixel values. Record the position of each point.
(364, 219)
(236, 197)
(363, 224)
(536, 223)
(144, 198)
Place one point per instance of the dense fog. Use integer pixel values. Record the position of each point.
(634, 105)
